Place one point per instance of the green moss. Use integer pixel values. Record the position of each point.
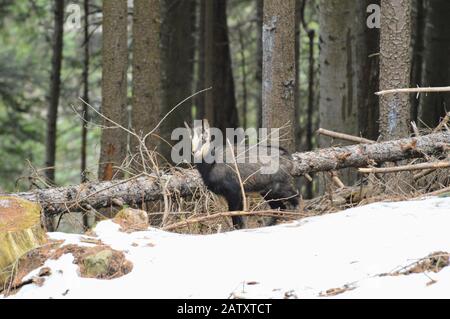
(97, 265)
(20, 231)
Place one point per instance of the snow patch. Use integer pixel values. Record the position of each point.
(301, 259)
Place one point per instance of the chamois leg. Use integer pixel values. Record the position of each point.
(234, 200)
(275, 202)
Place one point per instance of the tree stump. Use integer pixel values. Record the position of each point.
(20, 232)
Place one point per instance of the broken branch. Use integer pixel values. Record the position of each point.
(394, 169)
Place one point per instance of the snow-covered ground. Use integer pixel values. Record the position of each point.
(301, 259)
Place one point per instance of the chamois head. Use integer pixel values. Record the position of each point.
(200, 139)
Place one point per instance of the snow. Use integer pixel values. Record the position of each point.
(301, 258)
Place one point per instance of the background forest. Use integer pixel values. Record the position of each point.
(153, 54)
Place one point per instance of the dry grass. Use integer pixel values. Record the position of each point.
(174, 209)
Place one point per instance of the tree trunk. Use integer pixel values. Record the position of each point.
(368, 65)
(200, 99)
(395, 66)
(437, 64)
(297, 24)
(178, 64)
(185, 182)
(343, 77)
(209, 108)
(418, 24)
(220, 101)
(279, 78)
(259, 60)
(55, 83)
(113, 145)
(244, 78)
(146, 72)
(311, 83)
(85, 92)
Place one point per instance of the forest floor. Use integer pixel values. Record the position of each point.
(381, 250)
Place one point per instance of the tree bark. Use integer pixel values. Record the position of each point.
(437, 65)
(368, 65)
(297, 109)
(208, 68)
(343, 77)
(220, 101)
(279, 78)
(259, 60)
(177, 32)
(244, 78)
(146, 72)
(311, 79)
(200, 99)
(55, 84)
(395, 67)
(113, 144)
(418, 15)
(185, 182)
(85, 92)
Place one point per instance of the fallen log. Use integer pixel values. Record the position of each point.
(363, 155)
(184, 182)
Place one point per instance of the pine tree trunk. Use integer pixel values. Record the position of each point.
(178, 64)
(297, 108)
(220, 101)
(146, 72)
(113, 145)
(368, 62)
(279, 78)
(343, 79)
(243, 68)
(437, 64)
(200, 99)
(259, 59)
(418, 24)
(85, 92)
(55, 83)
(395, 67)
(209, 108)
(395, 72)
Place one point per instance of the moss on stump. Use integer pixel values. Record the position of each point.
(20, 232)
(131, 219)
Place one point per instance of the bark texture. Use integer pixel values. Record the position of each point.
(349, 69)
(200, 85)
(185, 182)
(395, 67)
(146, 72)
(85, 91)
(418, 20)
(279, 78)
(177, 32)
(55, 85)
(113, 145)
(437, 62)
(220, 101)
(259, 60)
(345, 71)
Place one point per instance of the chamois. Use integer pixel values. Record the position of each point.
(221, 177)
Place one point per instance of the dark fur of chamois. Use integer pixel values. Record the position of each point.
(222, 179)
